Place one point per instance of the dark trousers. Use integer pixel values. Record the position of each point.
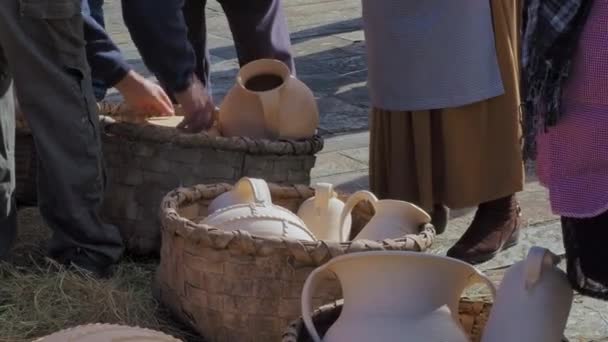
(43, 50)
(259, 29)
(94, 8)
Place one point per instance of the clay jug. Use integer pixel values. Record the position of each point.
(322, 213)
(268, 102)
(393, 219)
(107, 333)
(533, 301)
(246, 190)
(394, 296)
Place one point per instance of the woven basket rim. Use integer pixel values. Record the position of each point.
(159, 134)
(242, 242)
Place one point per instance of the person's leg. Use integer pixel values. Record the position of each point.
(45, 50)
(8, 211)
(260, 30)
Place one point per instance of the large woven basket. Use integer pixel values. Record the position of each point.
(144, 162)
(473, 314)
(232, 286)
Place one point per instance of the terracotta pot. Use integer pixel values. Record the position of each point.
(533, 302)
(321, 214)
(394, 296)
(393, 219)
(268, 102)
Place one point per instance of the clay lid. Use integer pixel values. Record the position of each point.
(107, 333)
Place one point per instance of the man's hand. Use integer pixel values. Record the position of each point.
(197, 106)
(143, 96)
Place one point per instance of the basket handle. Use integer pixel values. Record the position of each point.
(351, 203)
(312, 282)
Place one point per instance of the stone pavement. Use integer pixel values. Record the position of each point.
(328, 44)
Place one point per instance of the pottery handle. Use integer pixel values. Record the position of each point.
(537, 259)
(479, 278)
(271, 105)
(312, 282)
(351, 203)
(258, 187)
(323, 193)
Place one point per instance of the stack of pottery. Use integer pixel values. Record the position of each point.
(404, 296)
(248, 206)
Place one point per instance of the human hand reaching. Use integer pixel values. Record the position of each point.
(144, 97)
(197, 106)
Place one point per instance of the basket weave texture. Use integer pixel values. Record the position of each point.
(232, 286)
(473, 314)
(144, 162)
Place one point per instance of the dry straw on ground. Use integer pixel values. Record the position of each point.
(38, 298)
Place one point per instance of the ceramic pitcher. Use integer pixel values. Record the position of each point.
(268, 102)
(533, 301)
(246, 190)
(322, 213)
(393, 219)
(394, 296)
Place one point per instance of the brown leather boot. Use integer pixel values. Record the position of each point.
(495, 228)
(440, 217)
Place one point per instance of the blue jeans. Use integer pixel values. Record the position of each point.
(94, 8)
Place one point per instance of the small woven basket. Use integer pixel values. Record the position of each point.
(473, 314)
(232, 286)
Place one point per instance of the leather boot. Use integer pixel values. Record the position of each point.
(440, 217)
(495, 228)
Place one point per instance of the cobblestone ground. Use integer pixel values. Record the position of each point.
(329, 48)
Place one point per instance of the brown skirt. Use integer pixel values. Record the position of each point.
(459, 157)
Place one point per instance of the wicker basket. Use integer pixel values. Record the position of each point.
(232, 286)
(474, 314)
(145, 162)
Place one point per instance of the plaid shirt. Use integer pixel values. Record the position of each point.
(551, 32)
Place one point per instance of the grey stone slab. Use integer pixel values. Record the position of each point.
(355, 36)
(323, 48)
(358, 154)
(346, 141)
(329, 164)
(339, 116)
(347, 65)
(347, 182)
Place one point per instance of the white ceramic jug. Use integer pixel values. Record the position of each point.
(322, 213)
(394, 296)
(533, 301)
(393, 219)
(246, 190)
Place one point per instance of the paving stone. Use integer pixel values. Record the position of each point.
(334, 163)
(346, 141)
(339, 116)
(349, 182)
(358, 154)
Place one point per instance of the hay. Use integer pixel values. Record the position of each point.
(39, 297)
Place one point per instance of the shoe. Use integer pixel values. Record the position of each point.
(495, 228)
(77, 261)
(440, 217)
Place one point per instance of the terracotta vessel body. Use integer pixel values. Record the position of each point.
(268, 102)
(107, 333)
(395, 296)
(393, 219)
(533, 302)
(246, 190)
(322, 214)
